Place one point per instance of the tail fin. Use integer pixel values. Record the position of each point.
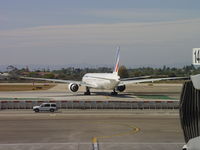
(116, 69)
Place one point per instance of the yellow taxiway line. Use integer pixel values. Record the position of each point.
(132, 130)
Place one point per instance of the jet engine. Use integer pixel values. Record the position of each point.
(121, 88)
(73, 87)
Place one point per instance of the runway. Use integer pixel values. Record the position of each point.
(75, 129)
(60, 92)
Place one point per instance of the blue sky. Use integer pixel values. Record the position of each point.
(30, 13)
(150, 32)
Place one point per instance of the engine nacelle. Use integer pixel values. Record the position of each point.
(73, 87)
(121, 88)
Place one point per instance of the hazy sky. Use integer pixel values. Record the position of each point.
(149, 32)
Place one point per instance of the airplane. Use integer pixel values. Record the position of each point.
(4, 76)
(104, 81)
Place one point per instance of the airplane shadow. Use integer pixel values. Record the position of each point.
(120, 95)
(94, 94)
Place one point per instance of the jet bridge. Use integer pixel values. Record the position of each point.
(190, 113)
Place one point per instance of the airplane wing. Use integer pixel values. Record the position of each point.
(134, 78)
(149, 80)
(80, 83)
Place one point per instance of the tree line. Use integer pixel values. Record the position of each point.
(77, 73)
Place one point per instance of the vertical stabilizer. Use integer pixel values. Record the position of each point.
(116, 69)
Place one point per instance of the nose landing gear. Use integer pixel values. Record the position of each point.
(87, 91)
(114, 92)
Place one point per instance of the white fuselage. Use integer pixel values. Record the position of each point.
(107, 81)
(4, 76)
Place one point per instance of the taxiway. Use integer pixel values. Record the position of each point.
(74, 130)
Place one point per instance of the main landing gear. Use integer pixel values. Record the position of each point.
(114, 92)
(87, 91)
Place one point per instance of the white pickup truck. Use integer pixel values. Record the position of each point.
(45, 107)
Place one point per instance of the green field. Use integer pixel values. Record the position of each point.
(156, 97)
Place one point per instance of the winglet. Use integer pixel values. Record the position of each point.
(116, 69)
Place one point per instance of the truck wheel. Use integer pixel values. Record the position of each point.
(51, 110)
(36, 110)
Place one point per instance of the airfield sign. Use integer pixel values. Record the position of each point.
(196, 56)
